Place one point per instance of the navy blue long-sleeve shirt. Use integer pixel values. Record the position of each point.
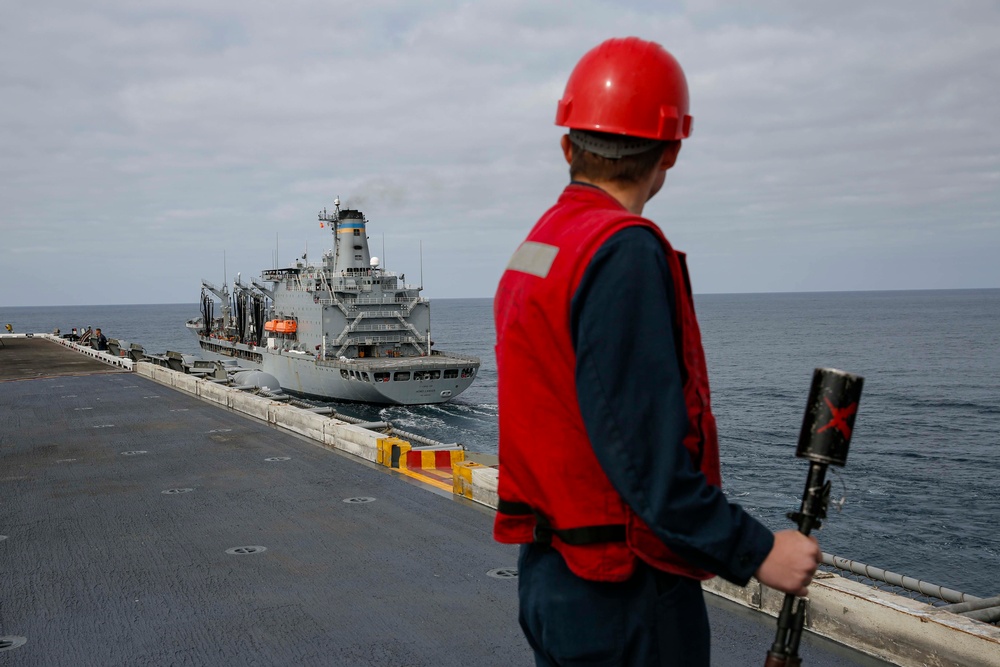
(630, 391)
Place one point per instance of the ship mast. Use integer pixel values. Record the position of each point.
(333, 219)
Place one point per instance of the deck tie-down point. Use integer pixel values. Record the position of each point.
(245, 551)
(11, 642)
(503, 573)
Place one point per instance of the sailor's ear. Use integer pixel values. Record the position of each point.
(567, 148)
(670, 154)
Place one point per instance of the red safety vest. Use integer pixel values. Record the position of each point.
(551, 486)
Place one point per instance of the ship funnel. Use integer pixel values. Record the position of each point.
(350, 249)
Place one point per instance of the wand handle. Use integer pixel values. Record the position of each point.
(824, 440)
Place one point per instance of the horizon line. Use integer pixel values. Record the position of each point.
(471, 298)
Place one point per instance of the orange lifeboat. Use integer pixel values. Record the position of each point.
(270, 325)
(285, 326)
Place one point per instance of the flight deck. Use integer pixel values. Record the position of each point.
(145, 526)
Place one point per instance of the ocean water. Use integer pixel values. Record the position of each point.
(922, 480)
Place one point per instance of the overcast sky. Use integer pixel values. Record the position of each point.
(836, 146)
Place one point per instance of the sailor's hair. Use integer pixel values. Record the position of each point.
(631, 165)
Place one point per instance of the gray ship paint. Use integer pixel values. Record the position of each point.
(344, 328)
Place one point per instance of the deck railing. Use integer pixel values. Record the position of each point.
(981, 609)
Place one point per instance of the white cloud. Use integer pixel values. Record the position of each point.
(178, 130)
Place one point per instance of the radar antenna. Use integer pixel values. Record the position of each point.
(332, 218)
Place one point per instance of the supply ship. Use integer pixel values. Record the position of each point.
(343, 329)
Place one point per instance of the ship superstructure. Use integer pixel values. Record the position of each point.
(343, 328)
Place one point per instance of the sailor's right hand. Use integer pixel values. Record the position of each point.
(790, 565)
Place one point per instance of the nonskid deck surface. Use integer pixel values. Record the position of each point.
(122, 497)
(29, 358)
(101, 567)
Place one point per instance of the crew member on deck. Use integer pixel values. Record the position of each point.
(609, 463)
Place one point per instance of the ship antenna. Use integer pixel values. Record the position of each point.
(421, 265)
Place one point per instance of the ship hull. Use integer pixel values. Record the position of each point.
(397, 381)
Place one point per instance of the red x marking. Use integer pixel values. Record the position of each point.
(838, 418)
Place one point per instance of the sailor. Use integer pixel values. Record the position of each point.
(100, 339)
(609, 464)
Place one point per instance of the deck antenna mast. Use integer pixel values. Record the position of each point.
(334, 221)
(421, 265)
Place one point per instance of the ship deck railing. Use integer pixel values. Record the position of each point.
(352, 339)
(379, 327)
(986, 610)
(369, 314)
(388, 300)
(401, 363)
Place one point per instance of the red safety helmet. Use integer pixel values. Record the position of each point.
(627, 86)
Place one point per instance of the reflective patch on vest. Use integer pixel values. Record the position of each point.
(534, 258)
